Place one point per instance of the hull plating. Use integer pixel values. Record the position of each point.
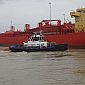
(74, 40)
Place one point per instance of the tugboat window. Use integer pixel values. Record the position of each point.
(36, 39)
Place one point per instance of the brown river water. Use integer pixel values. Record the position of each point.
(43, 68)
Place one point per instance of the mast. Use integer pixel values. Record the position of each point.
(64, 18)
(50, 11)
(12, 28)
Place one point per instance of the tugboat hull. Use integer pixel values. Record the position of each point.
(57, 47)
(16, 48)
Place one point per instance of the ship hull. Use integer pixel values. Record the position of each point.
(56, 47)
(74, 40)
(7, 40)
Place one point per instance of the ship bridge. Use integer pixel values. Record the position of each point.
(79, 19)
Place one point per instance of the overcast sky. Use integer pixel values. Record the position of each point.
(34, 11)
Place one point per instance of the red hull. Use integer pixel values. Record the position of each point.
(6, 40)
(74, 40)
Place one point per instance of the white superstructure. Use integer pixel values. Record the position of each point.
(36, 40)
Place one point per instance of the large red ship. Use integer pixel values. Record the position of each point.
(53, 31)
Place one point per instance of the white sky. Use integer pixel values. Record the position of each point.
(34, 11)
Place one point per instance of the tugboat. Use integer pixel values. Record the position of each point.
(36, 43)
